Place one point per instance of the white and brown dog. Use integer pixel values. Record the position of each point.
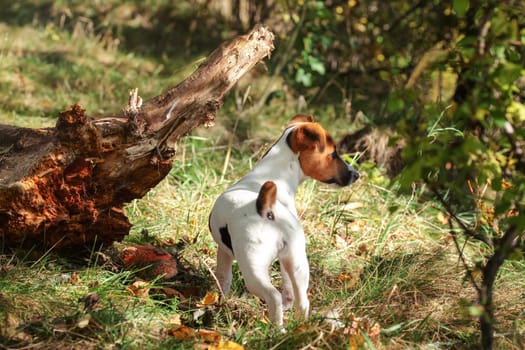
(255, 220)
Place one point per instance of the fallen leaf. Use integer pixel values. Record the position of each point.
(342, 277)
(362, 249)
(83, 322)
(209, 336)
(139, 289)
(229, 345)
(74, 278)
(172, 293)
(348, 279)
(91, 301)
(352, 206)
(182, 333)
(152, 261)
(339, 242)
(175, 321)
(374, 332)
(442, 218)
(357, 225)
(210, 298)
(190, 292)
(356, 341)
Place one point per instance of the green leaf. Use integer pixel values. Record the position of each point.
(508, 73)
(307, 42)
(395, 103)
(316, 65)
(460, 7)
(303, 77)
(476, 310)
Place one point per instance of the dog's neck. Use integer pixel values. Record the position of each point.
(281, 166)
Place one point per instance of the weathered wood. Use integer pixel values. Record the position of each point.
(67, 186)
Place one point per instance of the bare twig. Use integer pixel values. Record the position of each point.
(462, 258)
(468, 232)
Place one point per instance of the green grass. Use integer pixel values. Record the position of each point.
(375, 256)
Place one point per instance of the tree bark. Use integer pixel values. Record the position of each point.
(502, 250)
(66, 186)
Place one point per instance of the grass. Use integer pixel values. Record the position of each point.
(378, 259)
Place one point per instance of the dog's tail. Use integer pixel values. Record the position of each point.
(266, 200)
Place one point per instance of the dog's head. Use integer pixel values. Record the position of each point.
(317, 153)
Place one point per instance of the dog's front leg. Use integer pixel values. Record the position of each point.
(224, 269)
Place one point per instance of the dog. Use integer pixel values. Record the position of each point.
(255, 220)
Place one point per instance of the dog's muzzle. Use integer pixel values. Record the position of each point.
(353, 175)
(347, 175)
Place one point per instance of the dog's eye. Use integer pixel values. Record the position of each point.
(334, 155)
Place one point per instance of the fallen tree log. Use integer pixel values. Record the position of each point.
(67, 186)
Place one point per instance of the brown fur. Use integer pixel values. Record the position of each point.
(266, 200)
(317, 152)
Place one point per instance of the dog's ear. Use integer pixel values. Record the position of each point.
(301, 118)
(306, 136)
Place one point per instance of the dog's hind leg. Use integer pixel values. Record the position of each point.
(258, 282)
(224, 269)
(287, 289)
(299, 273)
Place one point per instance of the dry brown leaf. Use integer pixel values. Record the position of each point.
(172, 293)
(91, 301)
(139, 289)
(209, 336)
(154, 262)
(182, 332)
(74, 278)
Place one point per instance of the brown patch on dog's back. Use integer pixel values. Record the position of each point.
(266, 200)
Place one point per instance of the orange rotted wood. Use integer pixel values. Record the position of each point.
(67, 186)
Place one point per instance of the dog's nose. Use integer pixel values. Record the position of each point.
(354, 175)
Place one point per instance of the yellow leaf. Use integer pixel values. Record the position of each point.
(442, 219)
(210, 299)
(356, 341)
(229, 345)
